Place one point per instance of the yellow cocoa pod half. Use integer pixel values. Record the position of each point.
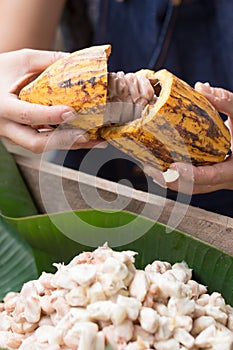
(181, 126)
(78, 80)
(178, 125)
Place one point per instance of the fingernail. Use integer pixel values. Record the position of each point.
(69, 116)
(204, 86)
(170, 175)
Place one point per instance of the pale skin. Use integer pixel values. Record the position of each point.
(21, 121)
(29, 24)
(35, 24)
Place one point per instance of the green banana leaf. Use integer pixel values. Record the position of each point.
(61, 236)
(15, 199)
(17, 262)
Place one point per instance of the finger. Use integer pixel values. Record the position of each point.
(188, 187)
(35, 114)
(185, 182)
(156, 175)
(37, 142)
(170, 180)
(221, 99)
(22, 66)
(161, 178)
(208, 175)
(177, 183)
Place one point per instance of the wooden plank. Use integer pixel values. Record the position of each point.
(57, 188)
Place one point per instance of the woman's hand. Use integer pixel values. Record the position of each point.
(203, 179)
(20, 121)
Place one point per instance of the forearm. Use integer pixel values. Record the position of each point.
(29, 23)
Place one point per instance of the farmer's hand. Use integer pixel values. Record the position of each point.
(27, 124)
(203, 179)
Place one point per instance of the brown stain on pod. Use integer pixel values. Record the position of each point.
(78, 80)
(181, 125)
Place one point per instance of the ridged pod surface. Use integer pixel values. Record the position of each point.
(181, 125)
(78, 80)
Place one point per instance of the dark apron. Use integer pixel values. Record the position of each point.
(193, 40)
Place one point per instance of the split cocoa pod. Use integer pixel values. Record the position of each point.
(170, 121)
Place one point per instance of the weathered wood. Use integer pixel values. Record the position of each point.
(57, 188)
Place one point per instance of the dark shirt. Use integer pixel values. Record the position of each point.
(193, 40)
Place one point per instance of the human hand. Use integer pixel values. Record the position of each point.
(203, 179)
(27, 124)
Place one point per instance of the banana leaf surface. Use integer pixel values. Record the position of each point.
(17, 262)
(15, 199)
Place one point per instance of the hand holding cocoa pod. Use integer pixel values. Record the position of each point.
(203, 179)
(20, 121)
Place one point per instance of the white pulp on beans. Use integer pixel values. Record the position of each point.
(100, 299)
(128, 94)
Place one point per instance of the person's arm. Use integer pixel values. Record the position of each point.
(29, 23)
(203, 179)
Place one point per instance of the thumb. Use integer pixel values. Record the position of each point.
(220, 98)
(38, 60)
(29, 64)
